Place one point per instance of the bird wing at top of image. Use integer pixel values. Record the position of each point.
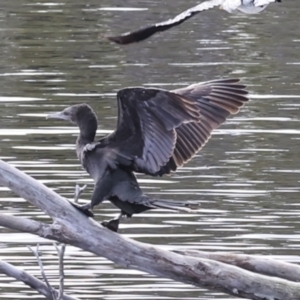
(145, 32)
(264, 2)
(246, 6)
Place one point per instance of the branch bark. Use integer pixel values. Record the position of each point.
(256, 264)
(72, 227)
(30, 280)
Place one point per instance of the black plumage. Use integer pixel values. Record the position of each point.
(157, 131)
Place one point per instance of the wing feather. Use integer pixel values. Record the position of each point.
(187, 143)
(146, 126)
(231, 5)
(182, 147)
(216, 100)
(264, 2)
(194, 131)
(177, 157)
(145, 32)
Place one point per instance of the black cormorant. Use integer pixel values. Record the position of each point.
(157, 131)
(246, 6)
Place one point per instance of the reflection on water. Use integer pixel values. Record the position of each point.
(246, 178)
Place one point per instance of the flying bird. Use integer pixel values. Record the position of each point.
(246, 6)
(157, 132)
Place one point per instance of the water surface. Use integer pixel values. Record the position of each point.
(246, 178)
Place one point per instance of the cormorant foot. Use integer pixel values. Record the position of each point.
(112, 225)
(85, 209)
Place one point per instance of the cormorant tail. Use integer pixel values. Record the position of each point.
(187, 206)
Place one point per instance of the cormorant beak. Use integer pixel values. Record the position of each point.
(57, 115)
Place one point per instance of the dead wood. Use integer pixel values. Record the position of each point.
(71, 227)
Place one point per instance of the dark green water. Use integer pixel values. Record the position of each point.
(246, 178)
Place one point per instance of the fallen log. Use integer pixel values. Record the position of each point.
(257, 264)
(71, 227)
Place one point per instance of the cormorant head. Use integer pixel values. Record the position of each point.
(77, 114)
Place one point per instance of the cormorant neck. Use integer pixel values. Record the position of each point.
(88, 127)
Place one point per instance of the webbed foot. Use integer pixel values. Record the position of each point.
(112, 225)
(85, 209)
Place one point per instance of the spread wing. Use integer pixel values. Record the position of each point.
(145, 136)
(146, 32)
(216, 100)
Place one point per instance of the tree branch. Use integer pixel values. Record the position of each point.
(256, 264)
(78, 230)
(30, 280)
(61, 253)
(30, 226)
(50, 288)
